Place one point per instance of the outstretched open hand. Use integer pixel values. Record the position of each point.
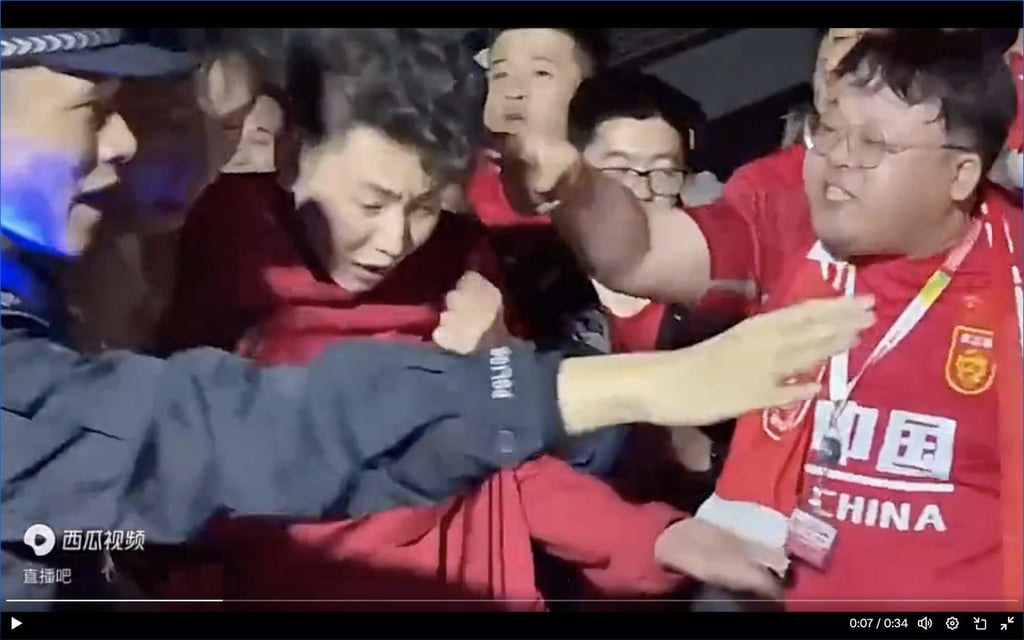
(754, 365)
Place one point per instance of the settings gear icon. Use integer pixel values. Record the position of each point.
(952, 623)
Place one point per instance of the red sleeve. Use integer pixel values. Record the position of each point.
(762, 214)
(581, 519)
(732, 241)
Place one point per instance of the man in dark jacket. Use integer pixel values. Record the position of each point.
(126, 442)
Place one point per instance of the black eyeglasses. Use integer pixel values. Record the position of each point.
(661, 182)
(867, 149)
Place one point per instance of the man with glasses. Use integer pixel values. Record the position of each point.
(638, 130)
(632, 128)
(911, 454)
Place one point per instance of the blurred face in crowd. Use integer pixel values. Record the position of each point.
(187, 129)
(368, 202)
(532, 76)
(226, 87)
(260, 135)
(62, 145)
(882, 178)
(174, 158)
(645, 155)
(834, 46)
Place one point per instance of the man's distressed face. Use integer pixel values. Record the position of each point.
(368, 203)
(532, 76)
(62, 146)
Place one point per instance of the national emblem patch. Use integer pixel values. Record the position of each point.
(970, 365)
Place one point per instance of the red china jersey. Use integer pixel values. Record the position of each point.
(915, 497)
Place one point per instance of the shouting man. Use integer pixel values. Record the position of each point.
(532, 75)
(881, 465)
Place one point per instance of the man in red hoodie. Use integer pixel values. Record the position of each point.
(359, 248)
(532, 75)
(912, 454)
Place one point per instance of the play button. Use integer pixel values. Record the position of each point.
(15, 623)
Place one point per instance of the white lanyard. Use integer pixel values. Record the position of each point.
(840, 385)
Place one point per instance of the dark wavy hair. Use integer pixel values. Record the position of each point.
(417, 88)
(960, 70)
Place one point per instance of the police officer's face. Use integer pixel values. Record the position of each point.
(62, 144)
(369, 204)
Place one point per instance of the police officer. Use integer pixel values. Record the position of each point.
(125, 441)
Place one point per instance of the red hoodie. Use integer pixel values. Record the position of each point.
(475, 546)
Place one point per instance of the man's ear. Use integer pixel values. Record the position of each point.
(966, 177)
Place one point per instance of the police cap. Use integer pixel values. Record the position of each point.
(123, 53)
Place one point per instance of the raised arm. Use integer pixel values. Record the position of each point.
(664, 257)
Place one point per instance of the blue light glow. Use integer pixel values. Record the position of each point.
(27, 228)
(35, 196)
